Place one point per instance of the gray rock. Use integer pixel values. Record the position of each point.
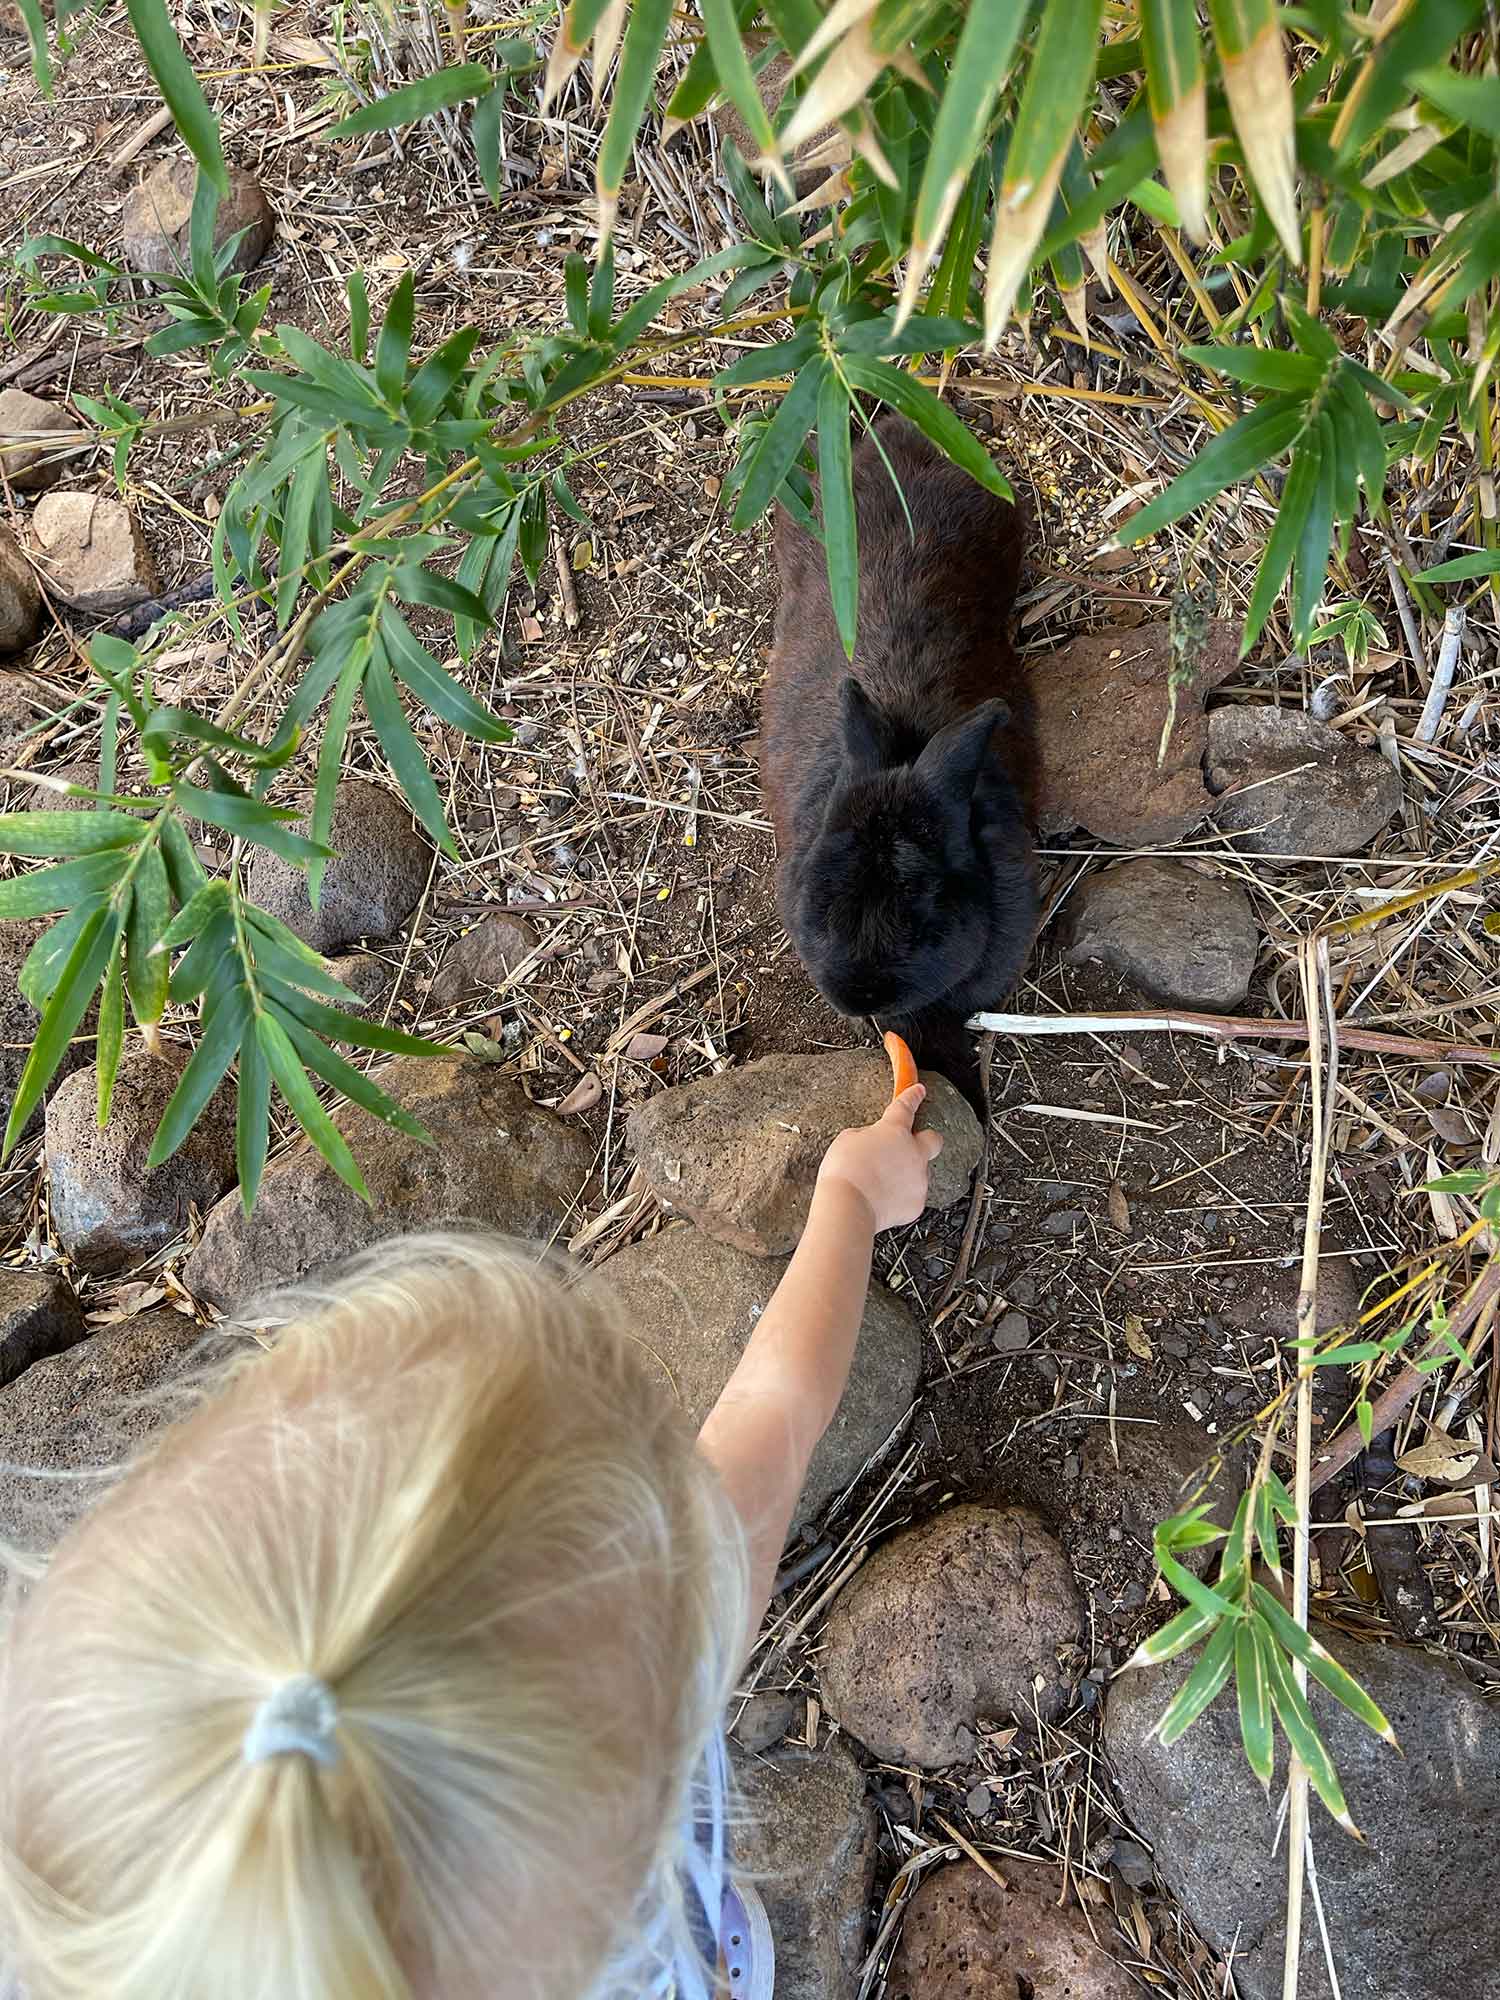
(19, 1021)
(20, 598)
(81, 1410)
(482, 959)
(1315, 790)
(1183, 938)
(739, 1153)
(30, 462)
(693, 1304)
(371, 886)
(964, 1937)
(155, 221)
(1408, 1911)
(1102, 703)
(108, 1209)
(497, 1160)
(1012, 1334)
(809, 1844)
(39, 1315)
(367, 975)
(949, 1622)
(761, 1720)
(91, 553)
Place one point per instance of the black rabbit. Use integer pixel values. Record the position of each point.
(901, 785)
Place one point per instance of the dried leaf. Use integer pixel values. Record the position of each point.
(644, 1048)
(1119, 1209)
(1440, 1456)
(584, 1095)
(1443, 1213)
(1136, 1338)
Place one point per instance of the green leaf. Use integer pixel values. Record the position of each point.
(180, 89)
(735, 75)
(1208, 1676)
(923, 333)
(1261, 435)
(393, 348)
(359, 315)
(1172, 48)
(334, 1024)
(297, 961)
(1262, 367)
(416, 585)
(764, 364)
(204, 958)
(576, 291)
(1296, 1719)
(1364, 1416)
(434, 381)
(46, 889)
(49, 833)
(1286, 532)
(111, 1033)
(920, 406)
(1252, 1677)
(46, 959)
(311, 474)
(645, 33)
(1180, 1632)
(414, 101)
(979, 67)
(1193, 1588)
(204, 214)
(1265, 1528)
(252, 1124)
(1310, 564)
(195, 913)
(1320, 1663)
(836, 489)
(776, 449)
(302, 1100)
(248, 819)
(1417, 38)
(1460, 569)
(352, 1083)
(146, 968)
(184, 869)
(601, 297)
(421, 675)
(484, 130)
(70, 998)
(222, 1032)
(404, 753)
(1472, 102)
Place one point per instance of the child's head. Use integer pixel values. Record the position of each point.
(448, 1492)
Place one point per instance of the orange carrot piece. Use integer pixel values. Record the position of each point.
(903, 1066)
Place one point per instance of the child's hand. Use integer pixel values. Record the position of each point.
(886, 1163)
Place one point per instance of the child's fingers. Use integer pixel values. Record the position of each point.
(903, 1109)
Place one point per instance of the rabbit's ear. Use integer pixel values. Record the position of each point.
(952, 760)
(861, 729)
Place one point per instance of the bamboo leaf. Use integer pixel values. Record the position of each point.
(1417, 37)
(1179, 104)
(1253, 1690)
(89, 956)
(393, 348)
(1310, 563)
(1472, 102)
(1462, 569)
(404, 753)
(1297, 497)
(836, 490)
(1296, 1719)
(1265, 1528)
(44, 963)
(423, 678)
(1262, 367)
(110, 1036)
(737, 80)
(484, 130)
(302, 1100)
(1321, 1664)
(181, 92)
(1252, 59)
(252, 1123)
(210, 898)
(352, 1083)
(415, 101)
(932, 416)
(577, 31)
(1257, 438)
(248, 819)
(43, 890)
(644, 37)
(223, 1031)
(146, 968)
(1058, 85)
(979, 67)
(335, 1025)
(1185, 1630)
(777, 447)
(1202, 1684)
(56, 833)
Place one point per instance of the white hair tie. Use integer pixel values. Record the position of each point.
(297, 1720)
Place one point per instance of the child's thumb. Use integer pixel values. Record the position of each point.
(902, 1110)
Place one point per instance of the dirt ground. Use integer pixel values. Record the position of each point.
(1125, 1305)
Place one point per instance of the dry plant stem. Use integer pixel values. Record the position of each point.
(1312, 960)
(1230, 1028)
(1442, 679)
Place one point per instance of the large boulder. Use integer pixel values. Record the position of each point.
(371, 886)
(497, 1160)
(84, 1409)
(20, 597)
(92, 553)
(154, 225)
(693, 1303)
(39, 1315)
(107, 1207)
(30, 455)
(1102, 704)
(973, 1614)
(964, 1937)
(1285, 784)
(1408, 1911)
(1179, 936)
(807, 1840)
(739, 1153)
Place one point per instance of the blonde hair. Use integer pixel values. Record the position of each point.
(448, 1491)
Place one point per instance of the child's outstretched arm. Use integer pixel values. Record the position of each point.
(782, 1396)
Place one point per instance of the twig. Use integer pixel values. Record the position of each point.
(140, 138)
(1230, 1028)
(1405, 614)
(566, 587)
(1442, 679)
(960, 1269)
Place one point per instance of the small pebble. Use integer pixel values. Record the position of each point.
(1133, 1863)
(979, 1801)
(1063, 1223)
(1011, 1334)
(1021, 1291)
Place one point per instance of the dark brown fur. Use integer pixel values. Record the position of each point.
(906, 875)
